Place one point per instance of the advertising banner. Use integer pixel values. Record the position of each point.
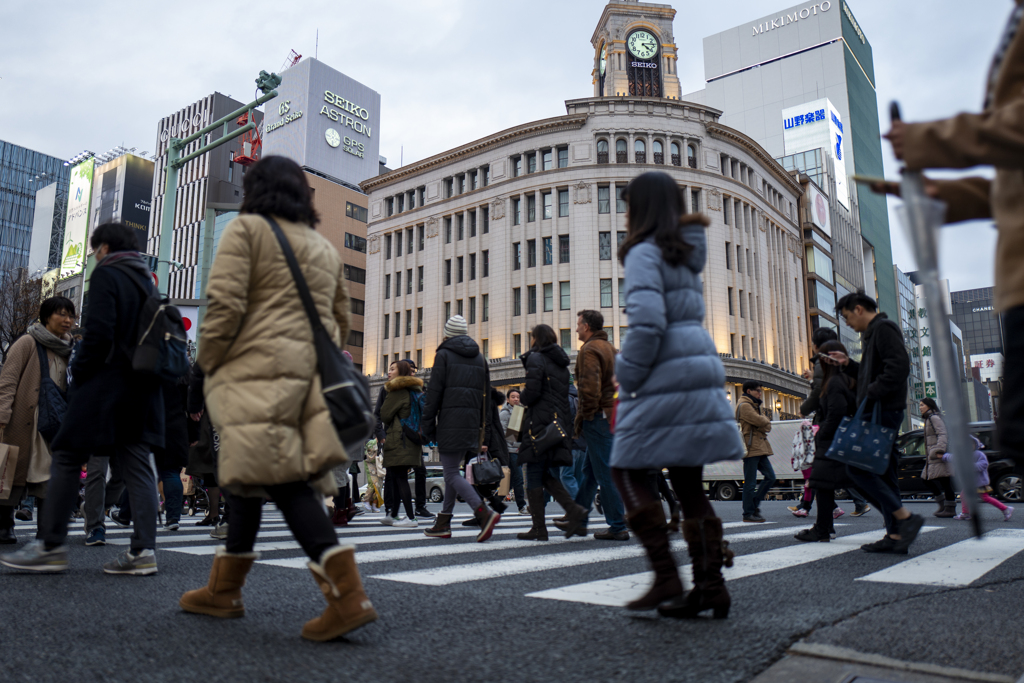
(77, 226)
(819, 210)
(818, 124)
(138, 192)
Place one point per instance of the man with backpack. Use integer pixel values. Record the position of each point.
(755, 426)
(113, 410)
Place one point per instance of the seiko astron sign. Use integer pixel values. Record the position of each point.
(325, 121)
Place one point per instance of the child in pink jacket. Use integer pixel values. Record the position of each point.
(984, 490)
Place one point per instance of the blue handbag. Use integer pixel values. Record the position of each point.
(53, 402)
(864, 444)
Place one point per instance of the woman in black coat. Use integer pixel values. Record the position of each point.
(837, 401)
(546, 398)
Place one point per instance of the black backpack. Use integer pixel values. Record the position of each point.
(161, 349)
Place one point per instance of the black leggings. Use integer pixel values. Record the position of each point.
(301, 509)
(638, 489)
(941, 486)
(826, 504)
(398, 479)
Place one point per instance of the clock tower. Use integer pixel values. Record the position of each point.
(634, 51)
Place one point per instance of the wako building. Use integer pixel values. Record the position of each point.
(767, 75)
(522, 227)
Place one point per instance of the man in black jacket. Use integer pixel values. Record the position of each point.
(881, 379)
(454, 417)
(112, 410)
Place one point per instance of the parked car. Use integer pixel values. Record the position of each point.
(1005, 473)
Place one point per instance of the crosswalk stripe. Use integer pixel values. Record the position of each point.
(618, 591)
(960, 564)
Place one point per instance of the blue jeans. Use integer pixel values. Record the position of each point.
(597, 472)
(516, 472)
(883, 490)
(572, 475)
(752, 498)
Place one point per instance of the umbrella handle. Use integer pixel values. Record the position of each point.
(894, 111)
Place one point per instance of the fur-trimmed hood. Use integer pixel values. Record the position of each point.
(404, 382)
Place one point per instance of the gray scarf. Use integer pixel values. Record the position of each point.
(61, 347)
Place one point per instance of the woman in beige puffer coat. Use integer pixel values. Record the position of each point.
(937, 474)
(264, 397)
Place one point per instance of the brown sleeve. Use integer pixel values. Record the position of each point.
(994, 138)
(966, 199)
(20, 354)
(588, 384)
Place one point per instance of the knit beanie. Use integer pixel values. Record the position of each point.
(455, 326)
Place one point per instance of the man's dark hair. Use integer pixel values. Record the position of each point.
(750, 384)
(543, 336)
(513, 391)
(822, 335)
(55, 304)
(593, 319)
(276, 186)
(854, 299)
(411, 362)
(117, 237)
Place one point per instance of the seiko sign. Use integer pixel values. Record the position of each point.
(644, 65)
(806, 12)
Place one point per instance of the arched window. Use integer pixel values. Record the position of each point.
(676, 161)
(640, 149)
(620, 151)
(659, 153)
(691, 155)
(602, 146)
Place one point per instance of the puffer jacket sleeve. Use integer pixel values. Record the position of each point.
(228, 293)
(342, 310)
(435, 394)
(645, 307)
(534, 388)
(941, 441)
(18, 358)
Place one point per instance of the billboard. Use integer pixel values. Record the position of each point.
(818, 124)
(137, 195)
(77, 226)
(325, 121)
(819, 210)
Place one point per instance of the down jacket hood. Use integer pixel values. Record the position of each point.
(555, 353)
(462, 345)
(403, 382)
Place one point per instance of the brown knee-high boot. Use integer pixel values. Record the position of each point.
(709, 552)
(539, 530)
(648, 523)
(575, 515)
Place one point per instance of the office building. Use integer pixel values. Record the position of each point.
(23, 172)
(908, 307)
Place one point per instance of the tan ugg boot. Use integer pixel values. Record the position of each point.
(222, 595)
(348, 608)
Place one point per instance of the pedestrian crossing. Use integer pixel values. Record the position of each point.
(384, 554)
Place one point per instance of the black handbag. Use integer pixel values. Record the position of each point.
(549, 436)
(487, 472)
(347, 398)
(53, 404)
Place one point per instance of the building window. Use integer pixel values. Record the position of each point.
(566, 339)
(472, 266)
(408, 323)
(401, 203)
(355, 211)
(620, 237)
(398, 244)
(563, 157)
(517, 216)
(531, 253)
(659, 152)
(730, 302)
(674, 150)
(461, 222)
(387, 327)
(620, 151)
(447, 310)
(531, 299)
(739, 259)
(602, 151)
(604, 199)
(486, 175)
(419, 279)
(640, 151)
(387, 286)
(742, 307)
(486, 349)
(549, 297)
(398, 323)
(419, 358)
(531, 163)
(726, 203)
(531, 208)
(408, 281)
(458, 307)
(517, 345)
(448, 188)
(387, 246)
(461, 262)
(517, 166)
(485, 304)
(398, 284)
(487, 219)
(357, 306)
(355, 242)
(622, 292)
(472, 310)
(695, 201)
(421, 192)
(547, 160)
(517, 256)
(548, 253)
(448, 230)
(566, 299)
(487, 262)
(620, 199)
(419, 323)
(622, 335)
(604, 246)
(563, 203)
(691, 156)
(517, 301)
(472, 223)
(447, 272)
(546, 203)
(355, 338)
(419, 238)
(410, 240)
(353, 274)
(606, 293)
(384, 364)
(563, 248)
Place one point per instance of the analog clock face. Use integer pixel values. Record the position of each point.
(642, 44)
(604, 58)
(333, 139)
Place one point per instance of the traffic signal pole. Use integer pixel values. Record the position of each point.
(267, 84)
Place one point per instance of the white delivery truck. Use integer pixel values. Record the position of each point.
(724, 480)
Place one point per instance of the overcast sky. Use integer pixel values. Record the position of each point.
(92, 75)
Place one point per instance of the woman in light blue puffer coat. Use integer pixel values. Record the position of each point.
(672, 407)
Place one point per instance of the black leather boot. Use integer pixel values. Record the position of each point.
(575, 515)
(7, 536)
(648, 523)
(709, 553)
(539, 530)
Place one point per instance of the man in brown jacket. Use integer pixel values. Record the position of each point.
(994, 137)
(755, 426)
(595, 383)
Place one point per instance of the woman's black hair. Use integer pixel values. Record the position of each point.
(117, 237)
(932, 405)
(276, 186)
(543, 336)
(55, 304)
(830, 370)
(655, 207)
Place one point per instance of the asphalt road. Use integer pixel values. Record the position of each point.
(452, 610)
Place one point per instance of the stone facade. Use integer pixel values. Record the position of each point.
(559, 213)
